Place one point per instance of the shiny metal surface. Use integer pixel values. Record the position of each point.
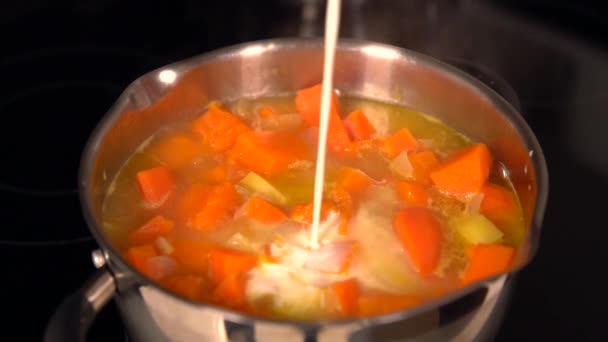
(100, 290)
(98, 258)
(381, 72)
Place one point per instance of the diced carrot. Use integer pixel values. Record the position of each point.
(193, 200)
(382, 303)
(498, 204)
(400, 141)
(465, 172)
(193, 255)
(221, 203)
(260, 210)
(231, 291)
(419, 231)
(347, 293)
(225, 263)
(187, 285)
(269, 153)
(175, 151)
(487, 260)
(308, 103)
(352, 180)
(358, 126)
(138, 257)
(217, 174)
(155, 185)
(219, 128)
(413, 193)
(422, 163)
(153, 228)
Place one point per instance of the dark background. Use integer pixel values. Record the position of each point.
(63, 63)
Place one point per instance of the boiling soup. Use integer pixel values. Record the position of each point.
(218, 209)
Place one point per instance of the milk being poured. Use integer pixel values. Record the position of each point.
(332, 27)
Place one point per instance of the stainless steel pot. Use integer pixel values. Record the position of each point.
(371, 70)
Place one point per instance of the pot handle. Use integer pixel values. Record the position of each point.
(72, 319)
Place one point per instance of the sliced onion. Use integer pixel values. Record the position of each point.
(474, 204)
(161, 266)
(402, 166)
(163, 245)
(331, 258)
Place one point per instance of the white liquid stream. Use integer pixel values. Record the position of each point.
(332, 26)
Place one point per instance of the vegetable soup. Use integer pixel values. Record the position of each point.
(218, 209)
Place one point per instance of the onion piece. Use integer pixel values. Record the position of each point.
(332, 258)
(474, 203)
(163, 245)
(402, 166)
(160, 266)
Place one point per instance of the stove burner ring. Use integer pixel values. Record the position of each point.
(32, 91)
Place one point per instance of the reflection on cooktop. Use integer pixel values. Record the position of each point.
(53, 99)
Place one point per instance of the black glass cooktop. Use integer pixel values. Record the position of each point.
(63, 64)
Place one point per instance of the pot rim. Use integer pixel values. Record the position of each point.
(506, 109)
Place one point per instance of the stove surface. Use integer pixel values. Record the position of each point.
(64, 64)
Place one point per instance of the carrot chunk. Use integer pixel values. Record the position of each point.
(347, 293)
(413, 194)
(358, 126)
(155, 227)
(231, 291)
(262, 211)
(193, 255)
(498, 203)
(420, 234)
(382, 303)
(219, 128)
(465, 172)
(193, 200)
(224, 263)
(190, 286)
(221, 203)
(400, 141)
(175, 151)
(155, 185)
(308, 103)
(487, 260)
(138, 256)
(269, 153)
(422, 163)
(353, 180)
(217, 174)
